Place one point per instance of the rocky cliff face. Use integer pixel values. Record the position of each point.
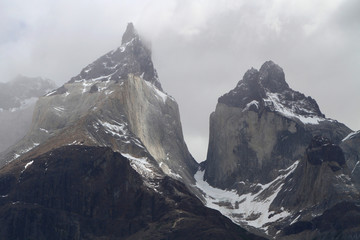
(82, 192)
(262, 126)
(17, 101)
(316, 189)
(267, 166)
(116, 101)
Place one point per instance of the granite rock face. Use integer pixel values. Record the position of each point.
(82, 192)
(262, 126)
(17, 102)
(274, 158)
(116, 101)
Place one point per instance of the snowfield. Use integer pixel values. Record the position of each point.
(250, 209)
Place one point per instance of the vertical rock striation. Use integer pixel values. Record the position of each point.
(116, 101)
(262, 126)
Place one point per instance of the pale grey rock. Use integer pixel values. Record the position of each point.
(261, 127)
(126, 110)
(258, 152)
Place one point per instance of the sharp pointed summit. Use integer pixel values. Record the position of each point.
(132, 57)
(129, 34)
(272, 77)
(116, 101)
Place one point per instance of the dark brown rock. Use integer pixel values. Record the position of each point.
(79, 192)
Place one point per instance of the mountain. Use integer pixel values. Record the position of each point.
(17, 101)
(116, 101)
(273, 157)
(265, 126)
(105, 158)
(83, 192)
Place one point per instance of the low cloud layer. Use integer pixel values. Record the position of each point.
(201, 49)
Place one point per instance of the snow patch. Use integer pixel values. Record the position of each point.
(16, 155)
(86, 85)
(143, 167)
(159, 94)
(59, 109)
(168, 171)
(295, 220)
(74, 143)
(274, 101)
(357, 163)
(251, 209)
(108, 92)
(28, 164)
(50, 93)
(351, 135)
(29, 148)
(254, 102)
(117, 129)
(43, 130)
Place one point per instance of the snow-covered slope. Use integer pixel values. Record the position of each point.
(249, 209)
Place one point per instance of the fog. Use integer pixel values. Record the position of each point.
(201, 49)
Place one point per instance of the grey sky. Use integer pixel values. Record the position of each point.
(201, 48)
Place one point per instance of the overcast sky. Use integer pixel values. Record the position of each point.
(201, 48)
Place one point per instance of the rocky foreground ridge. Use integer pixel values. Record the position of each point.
(83, 192)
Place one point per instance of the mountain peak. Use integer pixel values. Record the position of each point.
(267, 87)
(250, 75)
(272, 77)
(132, 57)
(129, 33)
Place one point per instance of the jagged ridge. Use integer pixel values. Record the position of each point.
(268, 89)
(133, 56)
